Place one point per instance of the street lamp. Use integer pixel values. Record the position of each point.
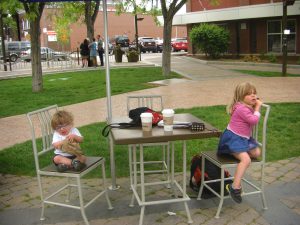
(136, 19)
(285, 4)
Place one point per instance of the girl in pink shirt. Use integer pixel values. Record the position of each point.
(236, 139)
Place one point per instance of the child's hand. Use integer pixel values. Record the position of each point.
(258, 104)
(72, 137)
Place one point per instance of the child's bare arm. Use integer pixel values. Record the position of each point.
(57, 144)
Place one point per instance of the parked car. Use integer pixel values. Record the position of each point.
(13, 49)
(159, 44)
(179, 44)
(46, 54)
(147, 44)
(122, 40)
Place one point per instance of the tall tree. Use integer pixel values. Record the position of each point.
(72, 12)
(34, 12)
(168, 13)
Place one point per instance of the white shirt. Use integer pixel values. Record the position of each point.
(57, 137)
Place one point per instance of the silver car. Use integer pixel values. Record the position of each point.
(46, 54)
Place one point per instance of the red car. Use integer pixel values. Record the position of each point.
(179, 44)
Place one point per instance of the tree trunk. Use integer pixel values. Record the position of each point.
(166, 59)
(91, 13)
(37, 75)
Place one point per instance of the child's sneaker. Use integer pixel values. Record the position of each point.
(62, 167)
(234, 193)
(77, 165)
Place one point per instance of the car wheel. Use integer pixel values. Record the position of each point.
(13, 58)
(173, 50)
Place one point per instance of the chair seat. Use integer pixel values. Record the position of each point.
(90, 161)
(224, 158)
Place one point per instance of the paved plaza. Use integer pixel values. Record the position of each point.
(204, 85)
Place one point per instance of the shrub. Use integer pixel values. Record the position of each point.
(213, 40)
(251, 58)
(272, 58)
(132, 56)
(118, 52)
(298, 62)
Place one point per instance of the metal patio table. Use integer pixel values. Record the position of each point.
(136, 137)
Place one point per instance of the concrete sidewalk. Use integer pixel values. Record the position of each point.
(205, 85)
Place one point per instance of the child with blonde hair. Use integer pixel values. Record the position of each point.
(62, 123)
(236, 139)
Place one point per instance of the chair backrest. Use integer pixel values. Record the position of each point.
(259, 131)
(40, 125)
(154, 102)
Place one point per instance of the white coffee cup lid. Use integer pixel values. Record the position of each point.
(144, 115)
(168, 111)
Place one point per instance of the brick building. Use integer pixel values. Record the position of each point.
(117, 25)
(255, 25)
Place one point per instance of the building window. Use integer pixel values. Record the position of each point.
(275, 36)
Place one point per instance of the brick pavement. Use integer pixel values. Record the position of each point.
(20, 202)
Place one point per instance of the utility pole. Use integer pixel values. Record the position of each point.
(285, 4)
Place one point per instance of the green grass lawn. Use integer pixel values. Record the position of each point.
(72, 87)
(266, 73)
(282, 141)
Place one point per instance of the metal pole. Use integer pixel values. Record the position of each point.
(107, 70)
(284, 38)
(108, 97)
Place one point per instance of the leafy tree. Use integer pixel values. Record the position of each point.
(212, 39)
(71, 12)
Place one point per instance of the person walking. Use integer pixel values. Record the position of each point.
(100, 49)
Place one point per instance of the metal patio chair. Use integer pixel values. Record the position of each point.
(224, 162)
(40, 123)
(154, 102)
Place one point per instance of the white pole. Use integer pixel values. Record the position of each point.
(107, 70)
(108, 96)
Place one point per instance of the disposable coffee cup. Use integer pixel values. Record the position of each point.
(146, 119)
(168, 117)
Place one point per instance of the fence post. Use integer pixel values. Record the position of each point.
(78, 55)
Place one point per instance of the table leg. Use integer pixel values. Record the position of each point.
(134, 175)
(142, 184)
(184, 183)
(113, 186)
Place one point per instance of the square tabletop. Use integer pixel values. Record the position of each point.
(135, 135)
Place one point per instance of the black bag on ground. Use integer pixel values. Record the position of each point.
(212, 172)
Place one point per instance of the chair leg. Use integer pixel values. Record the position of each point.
(42, 197)
(69, 190)
(221, 195)
(104, 186)
(81, 201)
(265, 207)
(202, 178)
(142, 215)
(188, 213)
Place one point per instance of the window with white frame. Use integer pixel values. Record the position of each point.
(275, 34)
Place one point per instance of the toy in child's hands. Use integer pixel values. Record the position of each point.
(71, 147)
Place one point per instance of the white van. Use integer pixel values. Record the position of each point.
(13, 49)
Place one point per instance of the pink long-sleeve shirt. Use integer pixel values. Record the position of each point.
(242, 120)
